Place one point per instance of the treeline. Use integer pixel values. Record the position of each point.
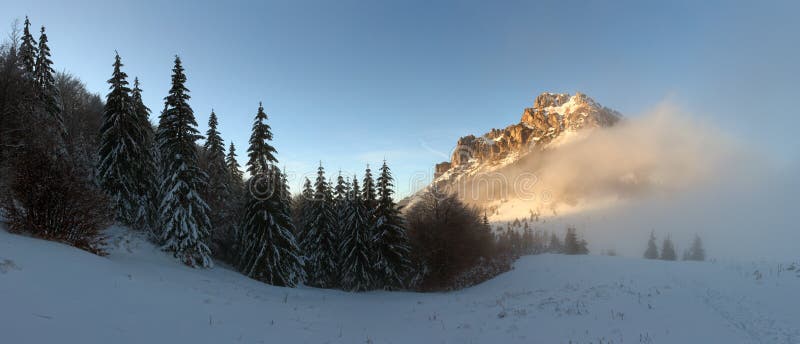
(518, 237)
(72, 164)
(695, 252)
(191, 199)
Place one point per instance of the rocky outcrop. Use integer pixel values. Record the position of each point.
(441, 168)
(551, 115)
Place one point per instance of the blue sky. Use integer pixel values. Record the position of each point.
(353, 82)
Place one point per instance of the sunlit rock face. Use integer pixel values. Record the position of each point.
(481, 167)
(552, 115)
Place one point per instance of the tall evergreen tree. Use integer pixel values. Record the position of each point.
(234, 209)
(320, 242)
(269, 250)
(45, 83)
(308, 190)
(652, 249)
(28, 50)
(234, 170)
(261, 154)
(668, 250)
(340, 202)
(696, 251)
(573, 244)
(215, 165)
(368, 193)
(214, 151)
(303, 210)
(183, 212)
(391, 243)
(271, 253)
(555, 245)
(125, 168)
(340, 192)
(217, 194)
(144, 170)
(120, 142)
(356, 245)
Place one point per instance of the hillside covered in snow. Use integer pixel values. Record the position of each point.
(139, 294)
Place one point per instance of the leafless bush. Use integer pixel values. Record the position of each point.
(49, 199)
(448, 238)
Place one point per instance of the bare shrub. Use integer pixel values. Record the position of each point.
(448, 238)
(49, 199)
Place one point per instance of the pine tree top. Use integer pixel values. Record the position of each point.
(233, 165)
(354, 189)
(340, 191)
(119, 79)
(141, 110)
(178, 93)
(142, 113)
(230, 158)
(261, 153)
(177, 124)
(214, 147)
(368, 192)
(28, 49)
(321, 187)
(385, 185)
(44, 69)
(44, 78)
(136, 91)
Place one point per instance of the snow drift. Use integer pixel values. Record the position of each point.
(51, 292)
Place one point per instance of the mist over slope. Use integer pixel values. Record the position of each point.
(664, 171)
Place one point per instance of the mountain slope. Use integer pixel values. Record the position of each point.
(54, 293)
(479, 165)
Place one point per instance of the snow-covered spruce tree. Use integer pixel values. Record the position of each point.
(234, 170)
(356, 272)
(122, 149)
(652, 249)
(217, 193)
(302, 210)
(146, 168)
(391, 244)
(668, 250)
(234, 206)
(261, 154)
(183, 214)
(215, 165)
(46, 90)
(28, 51)
(270, 253)
(320, 243)
(340, 202)
(269, 249)
(368, 193)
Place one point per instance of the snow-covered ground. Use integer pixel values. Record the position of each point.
(53, 293)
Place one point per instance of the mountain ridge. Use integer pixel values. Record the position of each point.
(476, 165)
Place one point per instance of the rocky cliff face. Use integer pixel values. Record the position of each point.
(479, 165)
(551, 116)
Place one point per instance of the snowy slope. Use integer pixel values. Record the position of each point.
(53, 293)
